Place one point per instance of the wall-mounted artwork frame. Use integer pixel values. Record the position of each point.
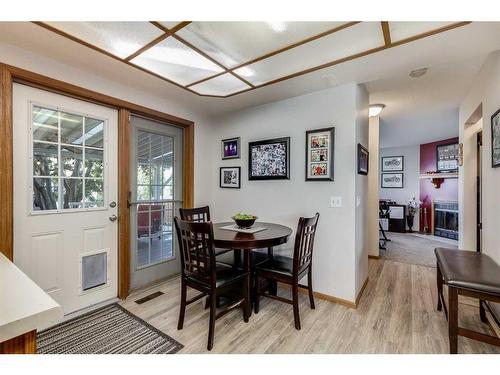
(447, 157)
(320, 151)
(269, 159)
(363, 159)
(495, 139)
(230, 148)
(392, 181)
(393, 163)
(230, 177)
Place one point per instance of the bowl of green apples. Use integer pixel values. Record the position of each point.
(244, 221)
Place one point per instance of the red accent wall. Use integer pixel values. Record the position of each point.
(449, 187)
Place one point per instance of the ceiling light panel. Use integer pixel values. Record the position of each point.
(233, 43)
(174, 60)
(222, 85)
(118, 38)
(169, 24)
(344, 43)
(404, 30)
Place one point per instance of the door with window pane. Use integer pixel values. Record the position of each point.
(65, 189)
(156, 193)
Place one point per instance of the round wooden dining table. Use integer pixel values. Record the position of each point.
(272, 235)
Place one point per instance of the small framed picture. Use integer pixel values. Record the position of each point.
(269, 159)
(230, 177)
(392, 163)
(362, 159)
(495, 139)
(392, 180)
(447, 157)
(230, 148)
(319, 154)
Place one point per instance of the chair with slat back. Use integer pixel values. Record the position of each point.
(199, 215)
(200, 271)
(291, 270)
(196, 214)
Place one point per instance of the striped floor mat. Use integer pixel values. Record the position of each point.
(108, 330)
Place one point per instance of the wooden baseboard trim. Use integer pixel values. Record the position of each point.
(373, 256)
(361, 291)
(325, 297)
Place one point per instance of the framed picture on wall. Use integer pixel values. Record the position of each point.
(230, 177)
(362, 159)
(495, 139)
(393, 163)
(392, 180)
(320, 147)
(269, 159)
(230, 148)
(447, 157)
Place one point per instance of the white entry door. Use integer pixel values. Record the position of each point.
(65, 192)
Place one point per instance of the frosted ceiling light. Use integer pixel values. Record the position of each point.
(279, 27)
(375, 109)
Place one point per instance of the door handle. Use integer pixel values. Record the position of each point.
(113, 218)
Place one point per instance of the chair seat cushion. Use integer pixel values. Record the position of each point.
(237, 261)
(469, 270)
(225, 275)
(277, 264)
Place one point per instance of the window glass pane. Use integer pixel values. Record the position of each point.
(44, 159)
(94, 163)
(167, 174)
(94, 193)
(45, 124)
(143, 192)
(72, 192)
(71, 128)
(45, 193)
(168, 192)
(72, 161)
(94, 132)
(143, 174)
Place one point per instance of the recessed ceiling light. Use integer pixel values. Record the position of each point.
(375, 109)
(279, 27)
(418, 72)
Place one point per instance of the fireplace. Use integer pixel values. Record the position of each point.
(446, 219)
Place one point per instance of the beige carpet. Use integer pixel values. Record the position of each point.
(414, 248)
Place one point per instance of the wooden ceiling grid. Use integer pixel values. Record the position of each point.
(172, 32)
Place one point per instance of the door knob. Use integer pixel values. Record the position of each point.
(113, 218)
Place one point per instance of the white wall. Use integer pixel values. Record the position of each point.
(283, 201)
(39, 64)
(411, 181)
(362, 242)
(485, 90)
(373, 187)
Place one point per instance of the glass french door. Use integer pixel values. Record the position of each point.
(156, 195)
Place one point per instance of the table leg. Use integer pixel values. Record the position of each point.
(273, 284)
(247, 268)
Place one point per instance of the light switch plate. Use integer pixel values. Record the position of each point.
(335, 202)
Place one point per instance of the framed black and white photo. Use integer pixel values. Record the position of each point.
(495, 139)
(230, 148)
(362, 159)
(230, 177)
(392, 180)
(269, 159)
(447, 157)
(393, 163)
(320, 145)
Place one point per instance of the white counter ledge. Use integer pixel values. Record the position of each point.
(24, 306)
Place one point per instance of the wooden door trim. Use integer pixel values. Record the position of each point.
(10, 74)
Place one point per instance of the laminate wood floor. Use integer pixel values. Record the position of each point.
(396, 314)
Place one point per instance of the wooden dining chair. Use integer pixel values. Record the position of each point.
(291, 270)
(199, 215)
(200, 271)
